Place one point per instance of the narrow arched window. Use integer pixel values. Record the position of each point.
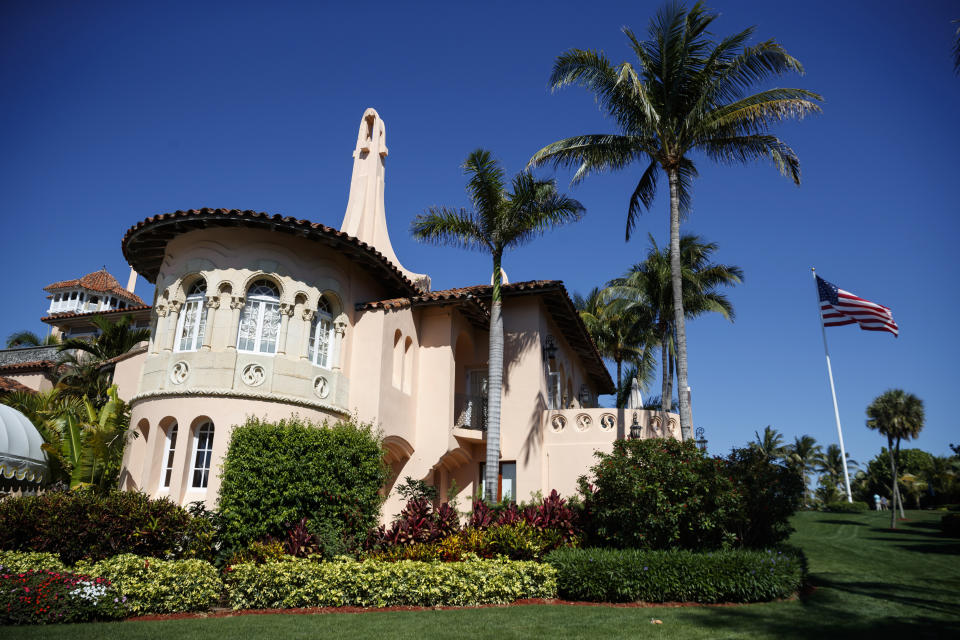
(260, 319)
(193, 319)
(321, 336)
(170, 450)
(203, 446)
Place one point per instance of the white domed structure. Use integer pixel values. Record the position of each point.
(22, 460)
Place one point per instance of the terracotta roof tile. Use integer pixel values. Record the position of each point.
(90, 314)
(7, 385)
(36, 364)
(144, 244)
(100, 281)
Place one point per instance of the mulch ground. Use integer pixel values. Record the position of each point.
(229, 613)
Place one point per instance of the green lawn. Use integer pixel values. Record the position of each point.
(871, 582)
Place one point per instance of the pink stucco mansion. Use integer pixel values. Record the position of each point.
(260, 314)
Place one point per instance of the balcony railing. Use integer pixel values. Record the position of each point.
(470, 411)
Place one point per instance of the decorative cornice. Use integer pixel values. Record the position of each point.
(234, 393)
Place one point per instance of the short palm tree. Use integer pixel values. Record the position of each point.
(649, 282)
(623, 332)
(831, 465)
(30, 339)
(770, 443)
(803, 456)
(898, 415)
(686, 94)
(500, 220)
(83, 370)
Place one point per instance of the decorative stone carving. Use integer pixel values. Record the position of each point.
(321, 387)
(212, 302)
(607, 422)
(179, 372)
(286, 309)
(237, 302)
(161, 310)
(308, 315)
(253, 375)
(655, 424)
(175, 306)
(340, 327)
(583, 422)
(558, 423)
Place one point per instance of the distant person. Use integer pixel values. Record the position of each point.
(876, 501)
(883, 503)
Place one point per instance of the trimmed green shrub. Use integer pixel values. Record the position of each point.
(519, 541)
(632, 575)
(843, 506)
(159, 586)
(768, 493)
(275, 474)
(950, 524)
(372, 583)
(659, 494)
(42, 597)
(86, 524)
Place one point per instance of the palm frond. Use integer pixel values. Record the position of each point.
(441, 225)
(742, 149)
(593, 153)
(485, 183)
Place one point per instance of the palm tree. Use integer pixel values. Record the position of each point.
(622, 330)
(803, 456)
(899, 416)
(84, 363)
(770, 443)
(500, 220)
(30, 339)
(831, 465)
(649, 282)
(687, 93)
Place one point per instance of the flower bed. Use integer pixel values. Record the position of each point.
(630, 575)
(40, 597)
(374, 583)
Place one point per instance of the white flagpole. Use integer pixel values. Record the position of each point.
(833, 391)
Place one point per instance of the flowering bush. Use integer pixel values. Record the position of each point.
(39, 597)
(631, 575)
(372, 583)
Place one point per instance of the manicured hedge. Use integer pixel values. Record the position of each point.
(846, 507)
(275, 474)
(149, 585)
(631, 575)
(86, 524)
(373, 583)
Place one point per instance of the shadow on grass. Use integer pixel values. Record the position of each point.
(949, 547)
(853, 522)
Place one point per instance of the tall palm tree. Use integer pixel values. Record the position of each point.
(803, 456)
(649, 282)
(770, 443)
(500, 220)
(84, 370)
(623, 332)
(114, 339)
(30, 339)
(898, 415)
(686, 94)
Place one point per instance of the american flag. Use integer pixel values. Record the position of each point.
(839, 307)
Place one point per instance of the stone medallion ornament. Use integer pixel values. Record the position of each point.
(607, 422)
(583, 422)
(321, 387)
(253, 375)
(558, 423)
(179, 372)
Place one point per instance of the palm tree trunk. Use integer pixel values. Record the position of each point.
(621, 401)
(673, 373)
(667, 372)
(686, 426)
(494, 385)
(896, 483)
(893, 488)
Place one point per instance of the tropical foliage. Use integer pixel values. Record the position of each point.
(500, 220)
(30, 339)
(898, 415)
(686, 94)
(85, 364)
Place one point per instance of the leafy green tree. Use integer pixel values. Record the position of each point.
(803, 456)
(830, 466)
(500, 220)
(770, 443)
(686, 94)
(648, 284)
(898, 415)
(30, 339)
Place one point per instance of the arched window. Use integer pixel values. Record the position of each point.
(168, 456)
(321, 336)
(193, 319)
(203, 446)
(260, 320)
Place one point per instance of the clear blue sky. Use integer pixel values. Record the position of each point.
(113, 112)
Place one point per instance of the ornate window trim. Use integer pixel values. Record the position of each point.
(259, 327)
(192, 323)
(322, 336)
